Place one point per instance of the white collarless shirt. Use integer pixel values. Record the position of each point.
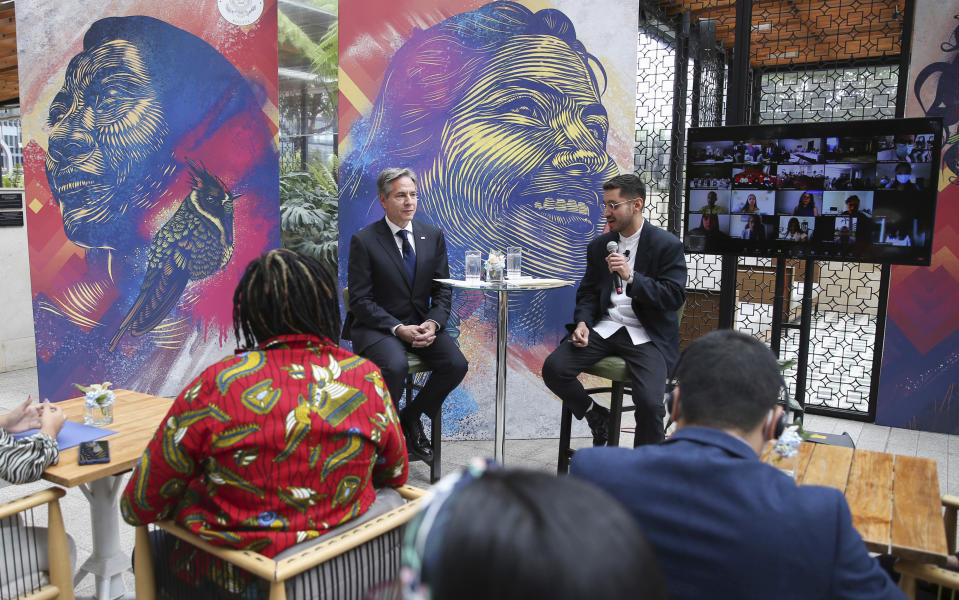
(620, 312)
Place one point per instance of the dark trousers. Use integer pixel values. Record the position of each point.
(647, 370)
(447, 363)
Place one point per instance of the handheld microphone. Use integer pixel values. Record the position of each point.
(611, 247)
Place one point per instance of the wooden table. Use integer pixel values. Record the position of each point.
(136, 417)
(894, 499)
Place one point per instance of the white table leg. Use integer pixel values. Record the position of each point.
(107, 562)
(502, 331)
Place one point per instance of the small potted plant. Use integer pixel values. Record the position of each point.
(98, 403)
(496, 266)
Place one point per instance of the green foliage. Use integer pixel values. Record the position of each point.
(309, 199)
(15, 179)
(325, 59)
(309, 211)
(324, 63)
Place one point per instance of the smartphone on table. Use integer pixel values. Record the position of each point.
(95, 452)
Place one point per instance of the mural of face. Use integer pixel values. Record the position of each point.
(523, 157)
(107, 152)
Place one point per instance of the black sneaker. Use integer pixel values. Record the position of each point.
(598, 419)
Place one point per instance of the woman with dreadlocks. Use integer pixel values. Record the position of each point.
(286, 439)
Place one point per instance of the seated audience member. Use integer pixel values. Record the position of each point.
(281, 442)
(754, 229)
(723, 523)
(23, 461)
(806, 207)
(710, 208)
(708, 227)
(750, 206)
(794, 232)
(486, 533)
(903, 180)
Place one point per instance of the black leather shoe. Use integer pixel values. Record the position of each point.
(417, 444)
(598, 419)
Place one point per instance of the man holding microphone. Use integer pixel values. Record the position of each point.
(626, 306)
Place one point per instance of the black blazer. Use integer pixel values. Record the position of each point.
(658, 288)
(381, 294)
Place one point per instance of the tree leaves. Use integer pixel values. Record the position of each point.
(309, 212)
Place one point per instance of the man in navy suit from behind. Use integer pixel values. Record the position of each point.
(396, 306)
(723, 523)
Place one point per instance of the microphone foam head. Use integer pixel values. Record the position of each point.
(612, 246)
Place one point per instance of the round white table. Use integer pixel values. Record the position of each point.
(524, 284)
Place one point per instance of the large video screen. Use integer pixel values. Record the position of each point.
(860, 191)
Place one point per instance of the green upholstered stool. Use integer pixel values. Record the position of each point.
(614, 369)
(416, 365)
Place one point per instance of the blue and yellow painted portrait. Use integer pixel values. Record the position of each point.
(504, 112)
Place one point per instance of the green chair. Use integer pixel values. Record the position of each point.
(614, 369)
(416, 365)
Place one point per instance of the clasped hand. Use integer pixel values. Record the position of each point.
(418, 336)
(49, 418)
(618, 263)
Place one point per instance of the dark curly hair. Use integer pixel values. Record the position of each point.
(285, 292)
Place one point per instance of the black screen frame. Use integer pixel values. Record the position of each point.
(874, 238)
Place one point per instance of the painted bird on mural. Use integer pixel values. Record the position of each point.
(195, 243)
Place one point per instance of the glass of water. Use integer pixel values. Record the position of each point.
(474, 265)
(514, 261)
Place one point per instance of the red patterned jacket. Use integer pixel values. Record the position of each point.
(271, 447)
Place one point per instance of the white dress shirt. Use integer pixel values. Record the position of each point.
(620, 313)
(395, 229)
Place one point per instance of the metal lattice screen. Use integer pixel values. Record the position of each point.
(811, 61)
(838, 62)
(655, 97)
(838, 94)
(663, 45)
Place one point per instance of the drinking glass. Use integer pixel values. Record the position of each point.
(514, 261)
(474, 265)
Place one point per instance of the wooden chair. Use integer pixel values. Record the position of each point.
(614, 369)
(19, 546)
(414, 366)
(910, 571)
(334, 567)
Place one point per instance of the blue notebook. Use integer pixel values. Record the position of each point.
(72, 434)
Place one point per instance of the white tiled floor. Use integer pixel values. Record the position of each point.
(540, 454)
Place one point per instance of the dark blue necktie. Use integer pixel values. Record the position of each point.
(409, 258)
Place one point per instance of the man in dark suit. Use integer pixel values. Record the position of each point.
(396, 306)
(639, 324)
(723, 523)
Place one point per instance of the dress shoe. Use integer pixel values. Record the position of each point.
(598, 419)
(417, 444)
